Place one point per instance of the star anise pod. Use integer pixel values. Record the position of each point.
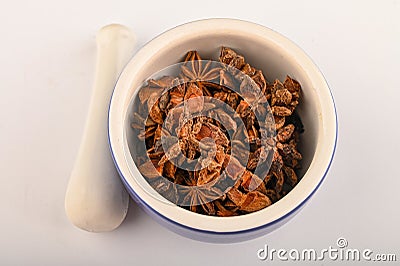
(234, 60)
(284, 97)
(195, 69)
(199, 197)
(249, 202)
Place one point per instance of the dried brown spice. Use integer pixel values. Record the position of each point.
(239, 163)
(196, 69)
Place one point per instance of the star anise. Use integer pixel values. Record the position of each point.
(249, 202)
(236, 61)
(199, 197)
(195, 69)
(238, 163)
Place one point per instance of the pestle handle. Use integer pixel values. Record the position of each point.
(96, 199)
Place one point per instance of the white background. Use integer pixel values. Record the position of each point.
(47, 60)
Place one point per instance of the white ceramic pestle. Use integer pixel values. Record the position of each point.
(96, 199)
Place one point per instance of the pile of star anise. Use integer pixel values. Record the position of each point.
(214, 160)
